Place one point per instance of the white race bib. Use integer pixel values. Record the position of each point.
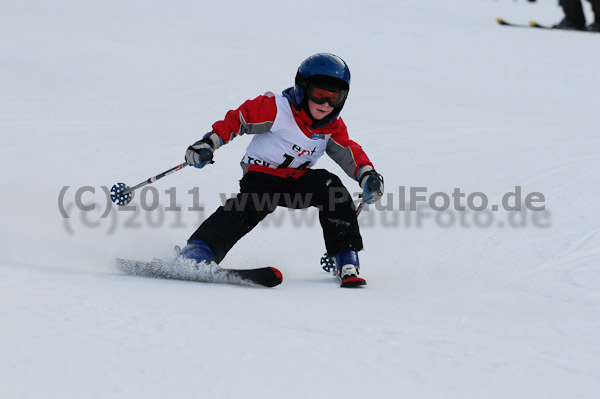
(285, 146)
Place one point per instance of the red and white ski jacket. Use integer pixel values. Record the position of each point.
(285, 144)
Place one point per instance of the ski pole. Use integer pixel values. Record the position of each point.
(121, 194)
(327, 262)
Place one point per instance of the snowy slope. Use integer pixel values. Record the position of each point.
(92, 93)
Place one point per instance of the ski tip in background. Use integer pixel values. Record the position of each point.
(531, 24)
(534, 24)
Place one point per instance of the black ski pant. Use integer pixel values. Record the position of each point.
(261, 193)
(574, 10)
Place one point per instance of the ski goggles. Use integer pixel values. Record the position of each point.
(322, 95)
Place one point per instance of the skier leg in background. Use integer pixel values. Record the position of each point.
(574, 17)
(595, 26)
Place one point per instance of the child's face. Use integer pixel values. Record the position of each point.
(319, 111)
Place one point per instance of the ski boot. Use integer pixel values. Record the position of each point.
(347, 266)
(198, 251)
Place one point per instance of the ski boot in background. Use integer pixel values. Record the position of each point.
(595, 27)
(568, 24)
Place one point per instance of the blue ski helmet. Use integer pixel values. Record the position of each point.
(324, 69)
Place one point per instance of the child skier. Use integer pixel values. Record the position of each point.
(290, 133)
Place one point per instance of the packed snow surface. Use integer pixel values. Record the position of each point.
(459, 304)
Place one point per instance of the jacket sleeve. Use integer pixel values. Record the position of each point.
(348, 154)
(252, 117)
